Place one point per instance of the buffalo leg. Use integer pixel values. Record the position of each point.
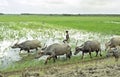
(48, 58)
(90, 54)
(96, 53)
(100, 53)
(68, 56)
(116, 55)
(36, 49)
(82, 55)
(54, 57)
(28, 51)
(20, 50)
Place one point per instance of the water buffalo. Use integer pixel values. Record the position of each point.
(55, 50)
(27, 45)
(88, 47)
(115, 41)
(115, 52)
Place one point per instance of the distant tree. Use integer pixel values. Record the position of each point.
(1, 13)
(66, 14)
(25, 14)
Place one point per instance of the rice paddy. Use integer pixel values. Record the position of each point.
(51, 29)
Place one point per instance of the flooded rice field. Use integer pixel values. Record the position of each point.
(12, 32)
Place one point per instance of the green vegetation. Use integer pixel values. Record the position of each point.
(102, 24)
(31, 63)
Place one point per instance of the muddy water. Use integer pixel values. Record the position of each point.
(46, 36)
(107, 67)
(104, 71)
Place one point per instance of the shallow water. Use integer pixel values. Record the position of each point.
(47, 36)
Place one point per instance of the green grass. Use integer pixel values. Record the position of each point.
(31, 63)
(89, 23)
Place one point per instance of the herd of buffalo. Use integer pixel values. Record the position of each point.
(112, 47)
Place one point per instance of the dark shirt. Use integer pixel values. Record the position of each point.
(67, 36)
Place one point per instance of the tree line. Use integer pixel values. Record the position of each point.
(64, 14)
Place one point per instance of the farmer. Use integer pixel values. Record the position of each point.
(67, 37)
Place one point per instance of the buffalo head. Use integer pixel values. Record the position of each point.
(40, 53)
(77, 50)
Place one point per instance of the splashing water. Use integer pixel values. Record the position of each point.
(7, 55)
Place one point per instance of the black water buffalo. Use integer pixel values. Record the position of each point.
(55, 50)
(27, 45)
(88, 47)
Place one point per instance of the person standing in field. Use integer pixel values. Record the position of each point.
(67, 37)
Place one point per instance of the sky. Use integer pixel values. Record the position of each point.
(60, 6)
